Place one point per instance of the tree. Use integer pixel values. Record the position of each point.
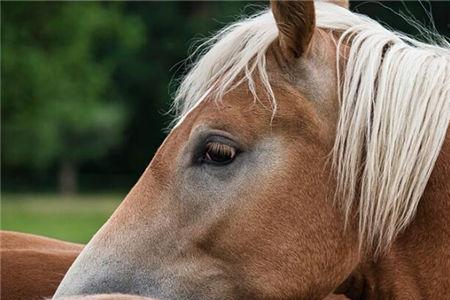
(59, 105)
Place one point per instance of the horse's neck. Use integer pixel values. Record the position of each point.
(418, 264)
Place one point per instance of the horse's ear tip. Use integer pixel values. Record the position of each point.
(292, 3)
(341, 3)
(295, 21)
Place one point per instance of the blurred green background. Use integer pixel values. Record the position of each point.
(85, 87)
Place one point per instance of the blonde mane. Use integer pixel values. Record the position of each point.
(395, 109)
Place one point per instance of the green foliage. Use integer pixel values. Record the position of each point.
(58, 100)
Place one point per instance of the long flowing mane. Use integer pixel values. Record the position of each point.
(395, 108)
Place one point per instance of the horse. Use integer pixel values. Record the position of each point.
(309, 153)
(33, 266)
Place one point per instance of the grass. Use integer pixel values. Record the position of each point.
(73, 219)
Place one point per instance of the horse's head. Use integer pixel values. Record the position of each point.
(238, 201)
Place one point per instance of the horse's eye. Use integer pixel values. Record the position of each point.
(218, 153)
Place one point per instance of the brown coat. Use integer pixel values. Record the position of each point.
(33, 266)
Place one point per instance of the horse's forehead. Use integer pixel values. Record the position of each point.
(248, 119)
(238, 113)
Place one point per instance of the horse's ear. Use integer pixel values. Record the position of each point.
(295, 21)
(341, 3)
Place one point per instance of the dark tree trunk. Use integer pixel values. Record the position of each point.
(68, 178)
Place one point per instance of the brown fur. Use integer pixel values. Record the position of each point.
(33, 266)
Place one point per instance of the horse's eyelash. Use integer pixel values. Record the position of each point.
(220, 148)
